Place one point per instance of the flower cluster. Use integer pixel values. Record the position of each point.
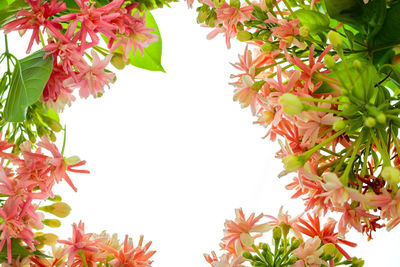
(30, 178)
(323, 247)
(70, 35)
(325, 85)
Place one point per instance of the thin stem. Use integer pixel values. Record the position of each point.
(65, 140)
(327, 110)
(344, 178)
(312, 99)
(326, 79)
(308, 154)
(366, 154)
(385, 156)
(289, 8)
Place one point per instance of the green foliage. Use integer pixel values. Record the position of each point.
(9, 8)
(390, 31)
(28, 81)
(346, 11)
(151, 59)
(18, 251)
(393, 73)
(316, 21)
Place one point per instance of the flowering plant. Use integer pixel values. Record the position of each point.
(33, 90)
(323, 77)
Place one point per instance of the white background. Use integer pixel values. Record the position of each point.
(171, 155)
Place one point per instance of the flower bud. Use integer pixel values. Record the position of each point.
(47, 239)
(329, 61)
(304, 31)
(381, 118)
(53, 124)
(370, 122)
(218, 3)
(117, 61)
(267, 47)
(356, 262)
(235, 3)
(59, 209)
(339, 125)
(72, 160)
(335, 39)
(291, 104)
(247, 255)
(277, 233)
(244, 36)
(329, 249)
(292, 163)
(357, 64)
(56, 198)
(295, 244)
(54, 223)
(391, 175)
(292, 260)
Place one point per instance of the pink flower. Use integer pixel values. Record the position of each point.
(13, 225)
(79, 241)
(93, 20)
(285, 31)
(309, 253)
(228, 17)
(326, 234)
(137, 36)
(33, 20)
(334, 189)
(130, 256)
(224, 260)
(92, 79)
(237, 232)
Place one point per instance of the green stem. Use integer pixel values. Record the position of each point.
(344, 178)
(366, 154)
(289, 8)
(385, 156)
(312, 99)
(259, 253)
(309, 153)
(326, 79)
(327, 110)
(65, 140)
(81, 253)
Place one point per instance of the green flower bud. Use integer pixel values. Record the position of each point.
(329, 61)
(244, 36)
(304, 31)
(329, 250)
(357, 64)
(291, 104)
(381, 118)
(53, 124)
(54, 223)
(357, 262)
(370, 122)
(339, 125)
(247, 255)
(277, 233)
(295, 244)
(235, 3)
(267, 47)
(72, 160)
(56, 198)
(47, 239)
(118, 61)
(59, 209)
(391, 175)
(335, 39)
(218, 3)
(292, 163)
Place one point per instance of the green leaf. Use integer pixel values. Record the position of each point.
(7, 13)
(151, 59)
(389, 33)
(28, 81)
(316, 21)
(324, 89)
(373, 16)
(346, 11)
(393, 72)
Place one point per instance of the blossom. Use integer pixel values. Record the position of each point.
(312, 228)
(92, 79)
(80, 241)
(309, 253)
(224, 260)
(33, 20)
(237, 232)
(131, 256)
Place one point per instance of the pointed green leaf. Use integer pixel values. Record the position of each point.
(316, 21)
(151, 59)
(10, 8)
(28, 81)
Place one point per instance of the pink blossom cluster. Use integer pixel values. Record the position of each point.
(283, 80)
(88, 249)
(240, 235)
(31, 178)
(69, 36)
